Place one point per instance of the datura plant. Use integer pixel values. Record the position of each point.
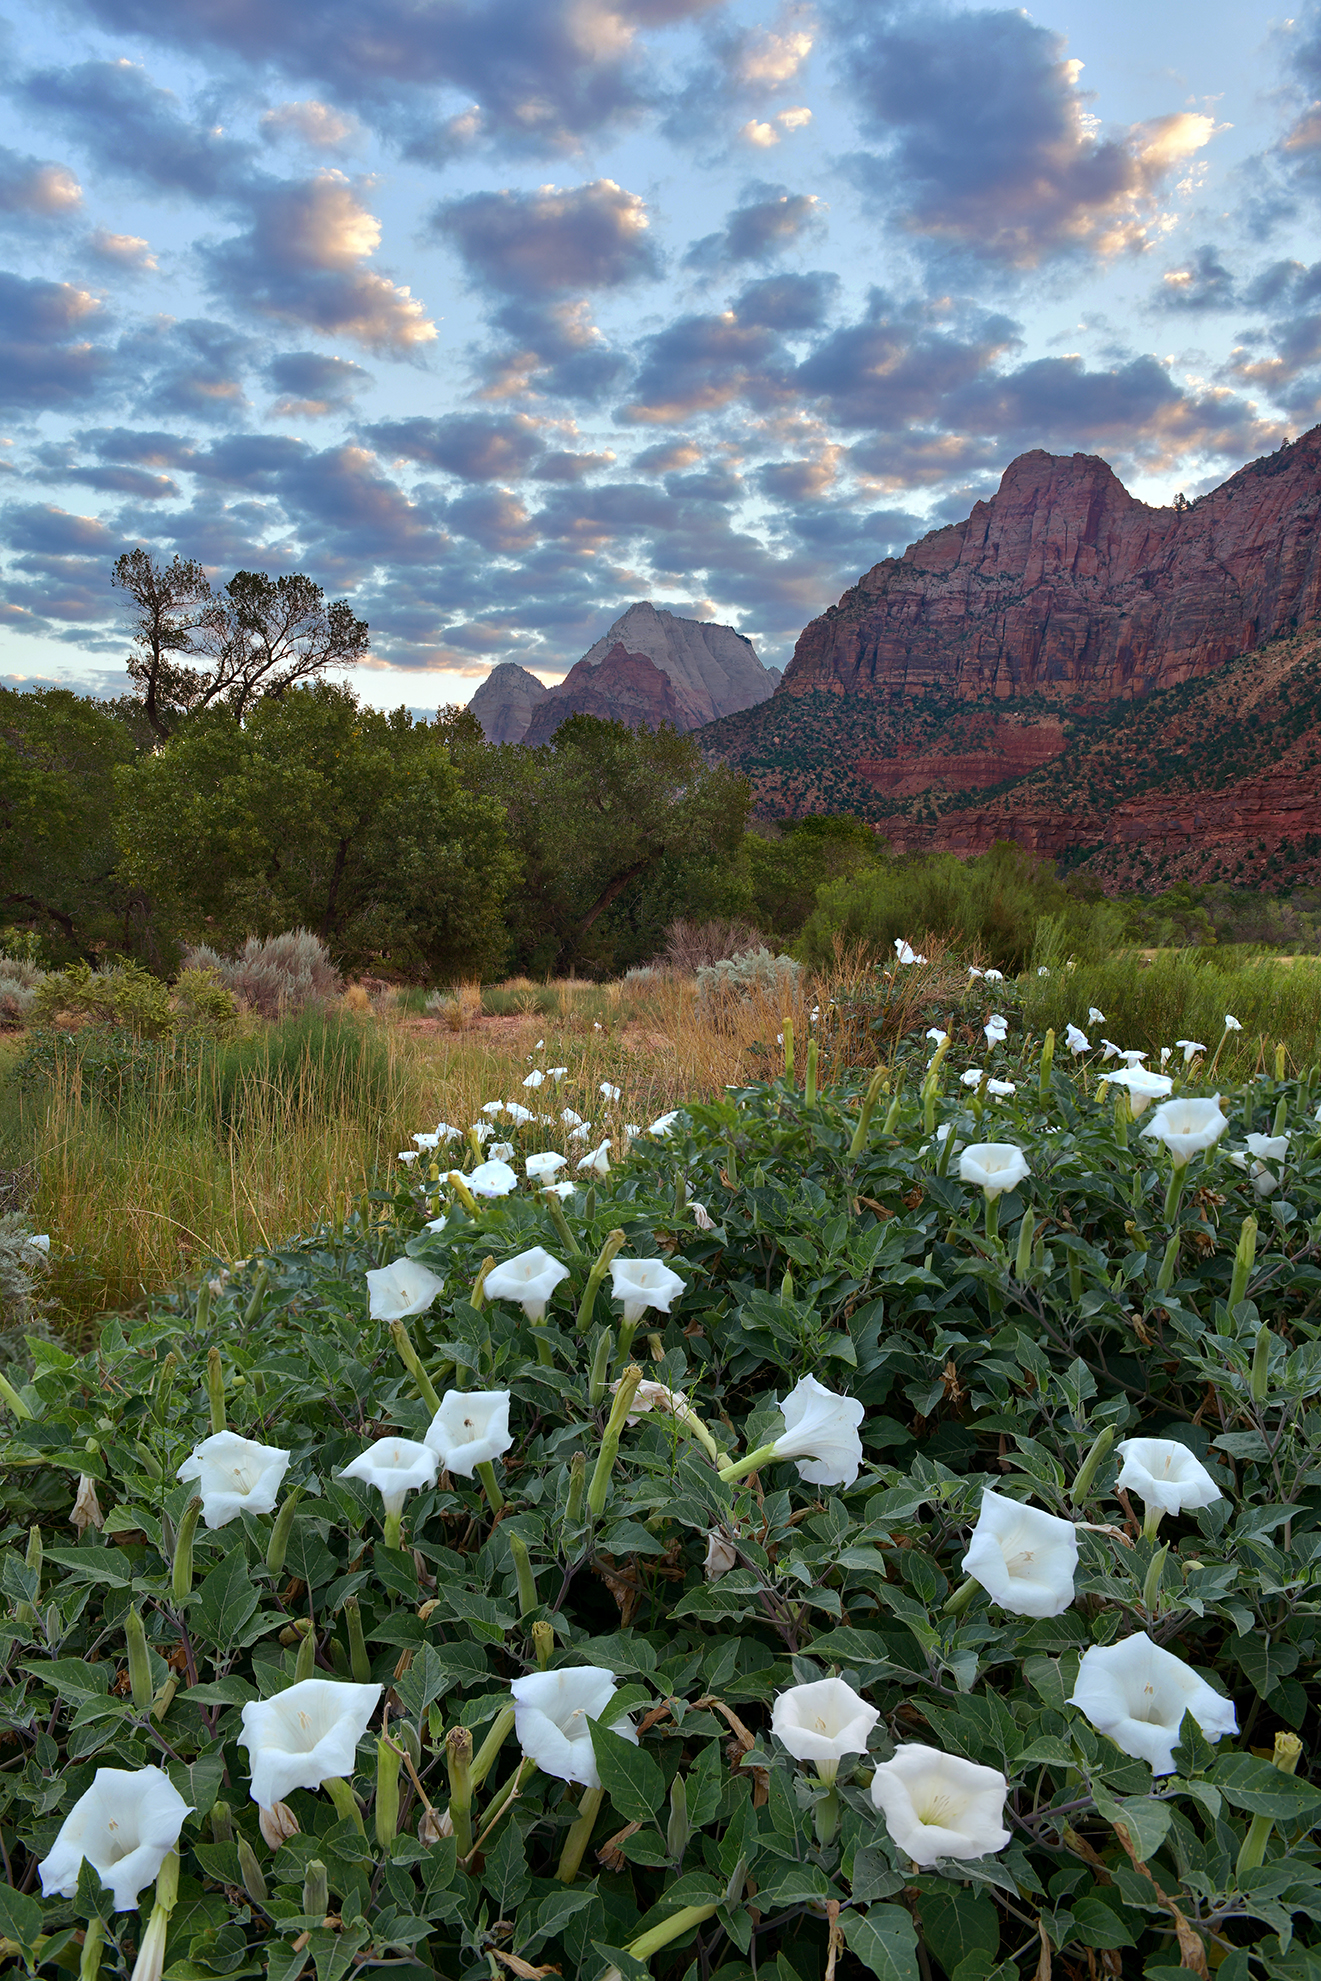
(856, 1529)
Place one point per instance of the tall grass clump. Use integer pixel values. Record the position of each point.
(1187, 994)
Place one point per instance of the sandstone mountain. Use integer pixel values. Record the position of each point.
(505, 701)
(706, 671)
(622, 687)
(1129, 688)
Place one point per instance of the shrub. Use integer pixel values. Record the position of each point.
(21, 1265)
(203, 1004)
(694, 946)
(756, 972)
(122, 994)
(456, 1009)
(1001, 1350)
(274, 975)
(19, 984)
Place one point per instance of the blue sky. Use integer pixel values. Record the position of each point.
(494, 317)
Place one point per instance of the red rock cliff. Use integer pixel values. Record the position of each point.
(1064, 584)
(624, 687)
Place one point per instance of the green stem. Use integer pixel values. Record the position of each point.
(741, 1467)
(345, 1801)
(551, 1199)
(1152, 1517)
(992, 1218)
(614, 1244)
(600, 1485)
(809, 1085)
(487, 1754)
(624, 1342)
(581, 1835)
(1174, 1191)
(394, 1527)
(495, 1499)
(89, 1967)
(412, 1361)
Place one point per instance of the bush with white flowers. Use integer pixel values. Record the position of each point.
(838, 1530)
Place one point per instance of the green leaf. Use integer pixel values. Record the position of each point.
(226, 1600)
(958, 1923)
(109, 1565)
(71, 1677)
(559, 1909)
(505, 1874)
(630, 1777)
(198, 1781)
(1247, 1783)
(1099, 1924)
(20, 1918)
(1265, 1663)
(885, 1939)
(1146, 1820)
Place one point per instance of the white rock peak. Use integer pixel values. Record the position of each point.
(715, 668)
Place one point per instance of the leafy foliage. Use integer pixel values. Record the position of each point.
(835, 1240)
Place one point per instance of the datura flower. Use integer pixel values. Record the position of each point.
(302, 1736)
(1187, 1126)
(234, 1475)
(1164, 1473)
(396, 1467)
(1023, 1557)
(1268, 1148)
(1131, 1057)
(470, 1428)
(535, 1078)
(599, 1159)
(993, 1167)
(1137, 1693)
(643, 1283)
(1191, 1048)
(664, 1122)
(993, 976)
(937, 1805)
(1143, 1087)
(492, 1179)
(821, 1433)
(996, 1029)
(529, 1279)
(395, 1293)
(1001, 1089)
(611, 1093)
(1076, 1040)
(1095, 1017)
(125, 1825)
(973, 1077)
(721, 1556)
(702, 1217)
(572, 1120)
(905, 953)
(517, 1112)
(823, 1722)
(544, 1165)
(1231, 1023)
(552, 1711)
(501, 1152)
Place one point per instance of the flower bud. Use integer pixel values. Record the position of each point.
(215, 1389)
(388, 1761)
(277, 1824)
(254, 1883)
(316, 1890)
(139, 1659)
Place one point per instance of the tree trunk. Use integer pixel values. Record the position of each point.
(610, 892)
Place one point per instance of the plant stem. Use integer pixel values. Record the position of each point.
(600, 1485)
(495, 1499)
(412, 1361)
(580, 1835)
(485, 1758)
(741, 1467)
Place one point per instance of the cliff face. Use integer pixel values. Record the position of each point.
(1136, 691)
(505, 701)
(622, 687)
(715, 670)
(1064, 584)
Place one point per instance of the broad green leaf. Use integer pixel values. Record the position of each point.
(885, 1939)
(629, 1776)
(957, 1923)
(1146, 1820)
(1247, 1783)
(20, 1917)
(1099, 1924)
(226, 1600)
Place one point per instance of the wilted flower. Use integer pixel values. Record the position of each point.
(598, 1160)
(492, 1179)
(1095, 1017)
(556, 1073)
(994, 1167)
(470, 1428)
(483, 1130)
(234, 1475)
(86, 1506)
(545, 1164)
(1191, 1048)
(1165, 1052)
(572, 1120)
(643, 1283)
(823, 1722)
(1109, 1050)
(1166, 1474)
(403, 1289)
(611, 1093)
(1023, 1557)
(1187, 1126)
(650, 1396)
(530, 1279)
(301, 1736)
(552, 1710)
(937, 1805)
(1232, 1024)
(407, 1155)
(1137, 1693)
(702, 1217)
(38, 1241)
(1143, 1087)
(125, 1825)
(821, 1433)
(721, 1556)
(396, 1467)
(277, 1824)
(1076, 1040)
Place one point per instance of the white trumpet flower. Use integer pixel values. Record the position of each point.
(552, 1710)
(1165, 1474)
(1023, 1557)
(937, 1805)
(823, 1722)
(644, 1283)
(396, 1467)
(529, 1279)
(398, 1291)
(1137, 1693)
(470, 1428)
(300, 1737)
(125, 1825)
(234, 1475)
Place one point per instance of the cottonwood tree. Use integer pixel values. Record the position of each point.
(257, 637)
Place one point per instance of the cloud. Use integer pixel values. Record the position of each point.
(545, 74)
(126, 481)
(551, 241)
(311, 386)
(193, 369)
(985, 142)
(46, 359)
(667, 458)
(555, 350)
(770, 220)
(132, 129)
(899, 364)
(311, 123)
(301, 259)
(129, 253)
(567, 467)
(129, 444)
(36, 189)
(54, 532)
(1201, 283)
(477, 447)
(790, 303)
(698, 364)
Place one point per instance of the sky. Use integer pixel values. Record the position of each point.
(495, 315)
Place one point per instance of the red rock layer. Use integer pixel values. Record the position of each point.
(1065, 584)
(624, 687)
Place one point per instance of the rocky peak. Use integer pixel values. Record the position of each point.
(715, 670)
(620, 687)
(505, 702)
